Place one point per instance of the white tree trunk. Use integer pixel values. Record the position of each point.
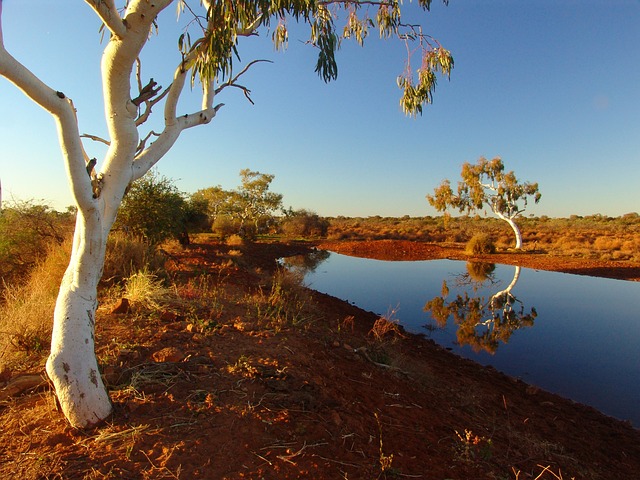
(516, 230)
(72, 365)
(512, 224)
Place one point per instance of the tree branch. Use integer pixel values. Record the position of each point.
(95, 138)
(232, 81)
(147, 93)
(61, 108)
(109, 15)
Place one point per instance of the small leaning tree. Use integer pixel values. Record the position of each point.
(486, 183)
(209, 57)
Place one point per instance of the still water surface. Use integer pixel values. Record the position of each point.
(573, 335)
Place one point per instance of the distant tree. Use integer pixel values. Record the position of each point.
(218, 201)
(486, 183)
(248, 210)
(255, 202)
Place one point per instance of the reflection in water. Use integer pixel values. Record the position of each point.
(305, 264)
(482, 322)
(584, 346)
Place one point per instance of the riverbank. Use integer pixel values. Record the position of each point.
(242, 377)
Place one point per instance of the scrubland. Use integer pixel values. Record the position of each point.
(590, 237)
(224, 366)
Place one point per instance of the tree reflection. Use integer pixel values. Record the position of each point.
(304, 264)
(482, 322)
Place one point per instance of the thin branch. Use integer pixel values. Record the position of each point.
(231, 82)
(149, 104)
(245, 90)
(143, 143)
(95, 138)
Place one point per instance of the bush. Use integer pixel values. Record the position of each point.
(126, 255)
(225, 226)
(155, 210)
(26, 230)
(480, 244)
(303, 223)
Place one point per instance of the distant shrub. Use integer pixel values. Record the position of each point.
(235, 240)
(224, 226)
(480, 244)
(607, 243)
(303, 223)
(26, 229)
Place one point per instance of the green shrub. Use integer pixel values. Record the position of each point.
(480, 244)
(26, 230)
(155, 210)
(303, 223)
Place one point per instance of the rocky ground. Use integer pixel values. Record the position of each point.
(210, 386)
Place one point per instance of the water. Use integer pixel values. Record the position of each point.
(573, 335)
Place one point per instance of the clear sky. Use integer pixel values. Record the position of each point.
(552, 87)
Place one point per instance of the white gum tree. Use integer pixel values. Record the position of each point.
(208, 51)
(486, 183)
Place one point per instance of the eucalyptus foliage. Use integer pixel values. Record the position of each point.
(487, 183)
(212, 55)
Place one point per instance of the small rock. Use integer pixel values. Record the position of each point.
(168, 354)
(5, 373)
(123, 306)
(168, 316)
(177, 326)
(336, 419)
(198, 338)
(531, 390)
(111, 374)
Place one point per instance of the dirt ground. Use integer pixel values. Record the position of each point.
(331, 398)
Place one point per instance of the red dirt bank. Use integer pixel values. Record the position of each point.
(316, 402)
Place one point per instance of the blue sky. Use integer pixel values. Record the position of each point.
(552, 87)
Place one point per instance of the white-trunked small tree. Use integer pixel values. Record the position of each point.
(99, 187)
(486, 183)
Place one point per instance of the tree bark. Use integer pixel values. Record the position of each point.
(72, 364)
(512, 224)
(516, 230)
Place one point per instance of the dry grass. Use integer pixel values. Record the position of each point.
(125, 256)
(386, 326)
(145, 290)
(287, 303)
(26, 315)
